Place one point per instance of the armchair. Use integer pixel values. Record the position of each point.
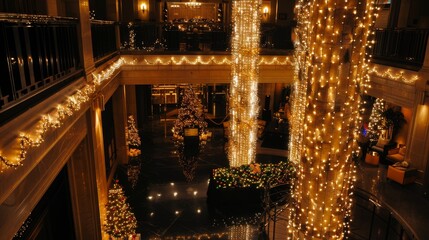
(382, 147)
(396, 155)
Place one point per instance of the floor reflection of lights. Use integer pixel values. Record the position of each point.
(180, 211)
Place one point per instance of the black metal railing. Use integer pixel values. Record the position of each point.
(374, 220)
(195, 37)
(400, 47)
(371, 218)
(103, 38)
(36, 53)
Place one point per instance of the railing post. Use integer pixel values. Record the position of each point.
(85, 36)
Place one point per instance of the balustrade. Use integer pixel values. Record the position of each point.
(103, 38)
(400, 47)
(36, 53)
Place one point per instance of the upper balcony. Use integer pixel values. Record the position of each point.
(196, 36)
(39, 55)
(43, 54)
(402, 48)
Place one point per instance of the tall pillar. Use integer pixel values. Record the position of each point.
(418, 139)
(244, 84)
(120, 119)
(52, 8)
(330, 65)
(81, 169)
(97, 146)
(131, 100)
(80, 9)
(112, 14)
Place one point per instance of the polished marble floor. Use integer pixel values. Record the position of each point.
(169, 207)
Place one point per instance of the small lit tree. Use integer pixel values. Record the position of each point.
(376, 119)
(133, 143)
(191, 115)
(132, 134)
(120, 222)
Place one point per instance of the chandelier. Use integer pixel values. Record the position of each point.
(193, 4)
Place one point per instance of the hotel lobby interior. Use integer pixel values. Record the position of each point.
(214, 119)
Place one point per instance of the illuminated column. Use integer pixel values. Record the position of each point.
(330, 74)
(244, 84)
(242, 232)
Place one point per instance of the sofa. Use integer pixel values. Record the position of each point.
(396, 155)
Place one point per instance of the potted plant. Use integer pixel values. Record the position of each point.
(393, 120)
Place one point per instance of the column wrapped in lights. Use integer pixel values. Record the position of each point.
(243, 101)
(332, 36)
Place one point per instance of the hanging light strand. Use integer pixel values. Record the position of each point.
(243, 97)
(332, 37)
(73, 103)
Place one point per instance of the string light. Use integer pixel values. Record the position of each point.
(203, 236)
(73, 103)
(207, 60)
(330, 71)
(119, 221)
(253, 175)
(243, 100)
(397, 76)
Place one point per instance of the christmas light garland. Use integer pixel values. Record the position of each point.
(56, 118)
(390, 74)
(72, 103)
(332, 37)
(198, 60)
(243, 98)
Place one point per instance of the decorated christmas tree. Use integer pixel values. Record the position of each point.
(190, 116)
(133, 172)
(376, 119)
(120, 222)
(133, 142)
(132, 134)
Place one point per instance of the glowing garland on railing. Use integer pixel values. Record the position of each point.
(243, 99)
(332, 36)
(393, 76)
(55, 120)
(213, 60)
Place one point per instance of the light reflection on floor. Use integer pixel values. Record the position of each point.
(168, 207)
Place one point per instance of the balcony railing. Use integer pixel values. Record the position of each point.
(103, 38)
(196, 37)
(400, 47)
(371, 219)
(36, 53)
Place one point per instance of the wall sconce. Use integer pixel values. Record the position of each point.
(265, 11)
(143, 7)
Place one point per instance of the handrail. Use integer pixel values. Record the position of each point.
(381, 204)
(401, 47)
(29, 18)
(102, 22)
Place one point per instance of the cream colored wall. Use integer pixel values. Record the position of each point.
(402, 135)
(419, 142)
(26, 185)
(139, 72)
(399, 92)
